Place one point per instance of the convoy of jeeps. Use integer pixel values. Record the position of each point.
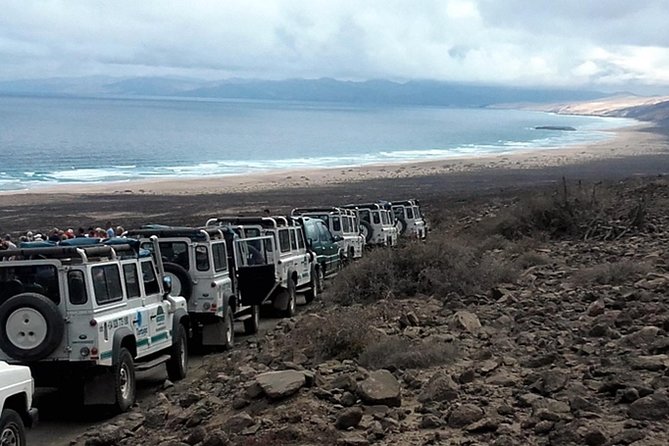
(87, 314)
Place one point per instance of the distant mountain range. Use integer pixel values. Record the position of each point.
(380, 92)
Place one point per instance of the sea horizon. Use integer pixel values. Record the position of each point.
(47, 141)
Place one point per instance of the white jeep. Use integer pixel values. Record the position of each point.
(16, 395)
(294, 267)
(342, 223)
(86, 316)
(409, 218)
(208, 268)
(377, 223)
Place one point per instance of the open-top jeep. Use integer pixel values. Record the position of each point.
(342, 223)
(210, 268)
(293, 265)
(86, 317)
(16, 395)
(409, 218)
(377, 223)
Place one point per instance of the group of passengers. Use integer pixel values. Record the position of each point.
(56, 235)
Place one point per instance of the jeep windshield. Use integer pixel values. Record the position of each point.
(17, 279)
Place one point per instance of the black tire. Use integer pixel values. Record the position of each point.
(366, 230)
(312, 292)
(178, 272)
(229, 328)
(125, 383)
(12, 429)
(33, 320)
(401, 225)
(177, 365)
(252, 324)
(291, 305)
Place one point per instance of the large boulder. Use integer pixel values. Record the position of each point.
(348, 418)
(281, 384)
(465, 321)
(465, 414)
(380, 388)
(651, 407)
(440, 387)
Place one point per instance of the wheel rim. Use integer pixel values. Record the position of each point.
(125, 382)
(26, 328)
(176, 284)
(10, 436)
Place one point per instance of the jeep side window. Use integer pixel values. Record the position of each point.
(347, 224)
(149, 278)
(416, 211)
(384, 217)
(284, 240)
(409, 212)
(293, 240)
(77, 287)
(107, 284)
(336, 224)
(364, 215)
(201, 258)
(131, 280)
(220, 257)
(375, 217)
(300, 240)
(175, 252)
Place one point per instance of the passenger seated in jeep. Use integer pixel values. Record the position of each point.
(256, 257)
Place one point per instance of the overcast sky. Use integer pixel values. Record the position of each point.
(613, 43)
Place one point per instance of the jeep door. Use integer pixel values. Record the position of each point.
(256, 269)
(159, 336)
(327, 249)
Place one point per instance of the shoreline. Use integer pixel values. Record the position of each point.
(639, 139)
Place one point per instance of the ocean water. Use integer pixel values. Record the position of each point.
(48, 141)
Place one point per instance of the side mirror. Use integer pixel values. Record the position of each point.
(167, 285)
(338, 238)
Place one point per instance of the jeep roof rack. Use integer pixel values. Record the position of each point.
(329, 209)
(195, 234)
(373, 206)
(70, 252)
(266, 222)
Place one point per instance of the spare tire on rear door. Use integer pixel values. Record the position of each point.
(31, 327)
(366, 230)
(401, 225)
(181, 283)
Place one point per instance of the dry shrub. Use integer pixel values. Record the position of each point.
(616, 273)
(395, 352)
(530, 259)
(439, 266)
(343, 334)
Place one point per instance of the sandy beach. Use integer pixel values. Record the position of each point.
(638, 150)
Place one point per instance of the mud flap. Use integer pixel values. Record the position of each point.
(99, 389)
(214, 333)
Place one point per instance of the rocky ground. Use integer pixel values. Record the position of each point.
(574, 351)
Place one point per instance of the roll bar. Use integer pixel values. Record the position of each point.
(66, 252)
(265, 222)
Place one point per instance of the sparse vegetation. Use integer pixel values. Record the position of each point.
(614, 273)
(440, 266)
(394, 352)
